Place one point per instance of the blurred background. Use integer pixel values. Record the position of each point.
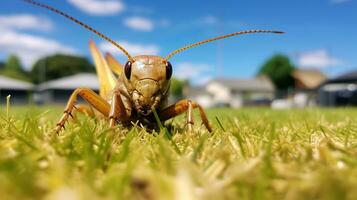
(44, 57)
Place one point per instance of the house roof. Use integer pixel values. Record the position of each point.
(350, 77)
(8, 83)
(309, 78)
(88, 80)
(197, 91)
(261, 83)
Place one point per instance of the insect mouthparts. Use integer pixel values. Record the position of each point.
(145, 109)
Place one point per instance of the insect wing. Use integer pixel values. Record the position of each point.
(113, 64)
(107, 80)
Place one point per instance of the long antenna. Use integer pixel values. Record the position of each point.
(81, 24)
(219, 38)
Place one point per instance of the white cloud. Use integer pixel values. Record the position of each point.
(133, 48)
(139, 23)
(28, 47)
(318, 59)
(25, 21)
(339, 1)
(196, 73)
(99, 7)
(208, 20)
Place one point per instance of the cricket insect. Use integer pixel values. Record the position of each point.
(142, 86)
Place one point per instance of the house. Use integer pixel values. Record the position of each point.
(308, 79)
(339, 91)
(59, 90)
(306, 86)
(200, 95)
(234, 92)
(19, 90)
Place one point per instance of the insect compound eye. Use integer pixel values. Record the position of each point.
(127, 69)
(168, 70)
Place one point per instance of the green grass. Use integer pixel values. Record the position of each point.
(252, 154)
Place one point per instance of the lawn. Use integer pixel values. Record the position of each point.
(253, 153)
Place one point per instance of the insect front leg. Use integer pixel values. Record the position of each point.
(90, 97)
(117, 110)
(185, 106)
(190, 121)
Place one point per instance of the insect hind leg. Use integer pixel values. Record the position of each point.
(82, 109)
(90, 97)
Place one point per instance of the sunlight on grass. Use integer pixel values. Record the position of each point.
(252, 154)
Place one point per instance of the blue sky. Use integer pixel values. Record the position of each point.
(319, 34)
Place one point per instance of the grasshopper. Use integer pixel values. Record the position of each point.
(141, 89)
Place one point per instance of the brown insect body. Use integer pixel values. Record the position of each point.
(143, 85)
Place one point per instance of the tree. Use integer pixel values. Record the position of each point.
(13, 63)
(13, 68)
(57, 66)
(16, 75)
(177, 87)
(279, 69)
(2, 65)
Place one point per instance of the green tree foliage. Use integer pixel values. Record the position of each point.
(57, 66)
(279, 69)
(13, 63)
(177, 87)
(13, 68)
(16, 75)
(2, 65)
